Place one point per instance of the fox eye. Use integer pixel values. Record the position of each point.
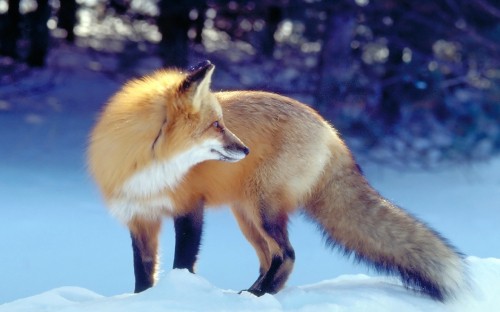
(217, 126)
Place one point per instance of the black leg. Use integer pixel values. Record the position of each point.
(144, 234)
(143, 270)
(188, 230)
(282, 261)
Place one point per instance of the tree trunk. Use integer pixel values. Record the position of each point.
(274, 15)
(8, 40)
(335, 63)
(173, 24)
(39, 35)
(67, 18)
(199, 22)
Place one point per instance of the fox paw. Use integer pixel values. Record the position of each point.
(256, 292)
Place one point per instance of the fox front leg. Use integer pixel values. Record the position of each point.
(188, 230)
(144, 234)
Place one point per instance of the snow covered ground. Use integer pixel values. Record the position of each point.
(179, 290)
(61, 251)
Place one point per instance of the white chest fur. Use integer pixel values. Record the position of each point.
(160, 175)
(143, 193)
(125, 209)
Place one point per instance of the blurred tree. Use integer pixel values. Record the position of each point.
(198, 20)
(39, 34)
(119, 6)
(11, 30)
(174, 23)
(335, 61)
(66, 18)
(379, 69)
(274, 15)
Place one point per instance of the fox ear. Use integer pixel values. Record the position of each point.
(197, 83)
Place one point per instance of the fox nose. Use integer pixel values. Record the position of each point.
(245, 150)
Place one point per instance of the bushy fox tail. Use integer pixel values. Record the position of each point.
(357, 219)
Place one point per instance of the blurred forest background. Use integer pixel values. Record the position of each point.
(414, 82)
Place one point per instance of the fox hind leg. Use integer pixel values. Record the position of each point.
(144, 234)
(278, 258)
(283, 256)
(188, 230)
(253, 234)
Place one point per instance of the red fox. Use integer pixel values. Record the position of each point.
(165, 145)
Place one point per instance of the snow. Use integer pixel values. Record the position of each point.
(62, 251)
(179, 290)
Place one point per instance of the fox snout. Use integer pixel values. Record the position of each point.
(233, 149)
(231, 154)
(239, 148)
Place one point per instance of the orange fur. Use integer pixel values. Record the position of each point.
(296, 160)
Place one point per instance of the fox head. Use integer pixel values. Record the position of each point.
(155, 129)
(194, 125)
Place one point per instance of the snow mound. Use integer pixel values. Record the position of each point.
(179, 290)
